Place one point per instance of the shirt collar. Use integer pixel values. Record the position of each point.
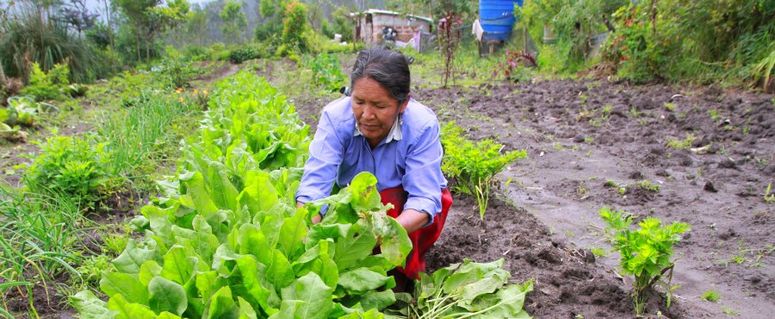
(395, 133)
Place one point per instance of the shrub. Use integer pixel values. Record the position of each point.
(248, 52)
(645, 252)
(327, 72)
(49, 86)
(473, 165)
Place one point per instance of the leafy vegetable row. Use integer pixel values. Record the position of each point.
(227, 241)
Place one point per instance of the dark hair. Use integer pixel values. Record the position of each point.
(389, 68)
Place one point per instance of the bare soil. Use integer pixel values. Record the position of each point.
(581, 134)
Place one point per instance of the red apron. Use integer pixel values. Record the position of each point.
(423, 238)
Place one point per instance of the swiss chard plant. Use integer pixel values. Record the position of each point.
(469, 290)
(646, 253)
(227, 240)
(473, 165)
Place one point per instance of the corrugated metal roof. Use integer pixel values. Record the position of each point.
(387, 12)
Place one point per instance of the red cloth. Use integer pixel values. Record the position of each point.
(423, 238)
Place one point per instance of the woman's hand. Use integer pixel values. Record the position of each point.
(315, 219)
(412, 220)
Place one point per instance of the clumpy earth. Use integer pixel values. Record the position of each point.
(703, 156)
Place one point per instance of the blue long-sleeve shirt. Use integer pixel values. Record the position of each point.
(410, 156)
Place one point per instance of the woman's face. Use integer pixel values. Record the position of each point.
(375, 109)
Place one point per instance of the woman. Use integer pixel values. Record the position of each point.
(379, 128)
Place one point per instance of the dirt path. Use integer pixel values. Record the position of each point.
(581, 134)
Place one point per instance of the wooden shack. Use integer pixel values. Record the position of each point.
(412, 30)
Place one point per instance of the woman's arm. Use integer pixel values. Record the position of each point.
(412, 219)
(423, 178)
(325, 156)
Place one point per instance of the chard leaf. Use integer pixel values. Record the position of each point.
(308, 297)
(148, 270)
(167, 295)
(371, 314)
(177, 266)
(133, 256)
(246, 310)
(126, 285)
(358, 244)
(127, 310)
(362, 279)
(197, 196)
(253, 278)
(377, 299)
(395, 243)
(89, 306)
(222, 305)
(292, 234)
(365, 196)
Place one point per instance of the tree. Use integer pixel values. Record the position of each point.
(149, 18)
(234, 20)
(295, 26)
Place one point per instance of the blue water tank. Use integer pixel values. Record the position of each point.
(497, 18)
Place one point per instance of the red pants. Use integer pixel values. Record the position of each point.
(423, 238)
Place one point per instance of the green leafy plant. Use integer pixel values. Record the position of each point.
(473, 165)
(226, 237)
(646, 252)
(73, 167)
(47, 86)
(327, 72)
(648, 185)
(469, 290)
(248, 52)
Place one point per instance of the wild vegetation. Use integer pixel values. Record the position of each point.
(151, 150)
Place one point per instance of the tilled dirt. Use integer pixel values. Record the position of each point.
(581, 135)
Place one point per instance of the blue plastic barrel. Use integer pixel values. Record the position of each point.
(497, 18)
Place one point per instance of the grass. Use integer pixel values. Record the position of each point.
(711, 295)
(143, 137)
(41, 238)
(683, 144)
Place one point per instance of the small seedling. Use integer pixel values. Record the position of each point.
(670, 106)
(729, 311)
(713, 113)
(684, 144)
(599, 252)
(648, 186)
(711, 295)
(769, 197)
(645, 252)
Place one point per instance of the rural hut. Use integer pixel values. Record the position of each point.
(372, 26)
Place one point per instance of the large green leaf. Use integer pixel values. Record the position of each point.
(314, 296)
(127, 285)
(358, 244)
(127, 310)
(255, 282)
(133, 256)
(222, 305)
(365, 196)
(89, 306)
(292, 234)
(167, 295)
(196, 194)
(362, 279)
(394, 242)
(178, 267)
